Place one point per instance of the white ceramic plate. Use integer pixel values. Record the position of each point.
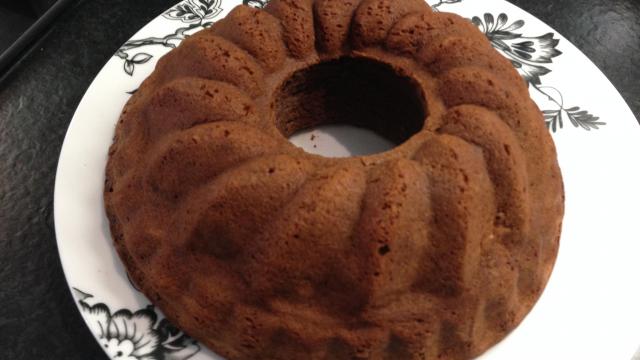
(591, 306)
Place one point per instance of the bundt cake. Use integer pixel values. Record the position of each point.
(436, 249)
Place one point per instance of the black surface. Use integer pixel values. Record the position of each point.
(38, 319)
(17, 16)
(13, 25)
(16, 46)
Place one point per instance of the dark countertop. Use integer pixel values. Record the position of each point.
(38, 319)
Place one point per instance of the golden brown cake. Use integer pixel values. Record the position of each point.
(436, 249)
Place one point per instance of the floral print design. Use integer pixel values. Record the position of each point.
(194, 11)
(436, 6)
(197, 14)
(526, 53)
(258, 4)
(126, 335)
(530, 56)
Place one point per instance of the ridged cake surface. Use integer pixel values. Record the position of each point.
(436, 249)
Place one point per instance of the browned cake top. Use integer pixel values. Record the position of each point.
(435, 249)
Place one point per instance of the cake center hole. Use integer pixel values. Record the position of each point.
(349, 107)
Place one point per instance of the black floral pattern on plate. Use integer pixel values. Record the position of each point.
(436, 6)
(258, 4)
(196, 14)
(525, 53)
(530, 56)
(138, 335)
